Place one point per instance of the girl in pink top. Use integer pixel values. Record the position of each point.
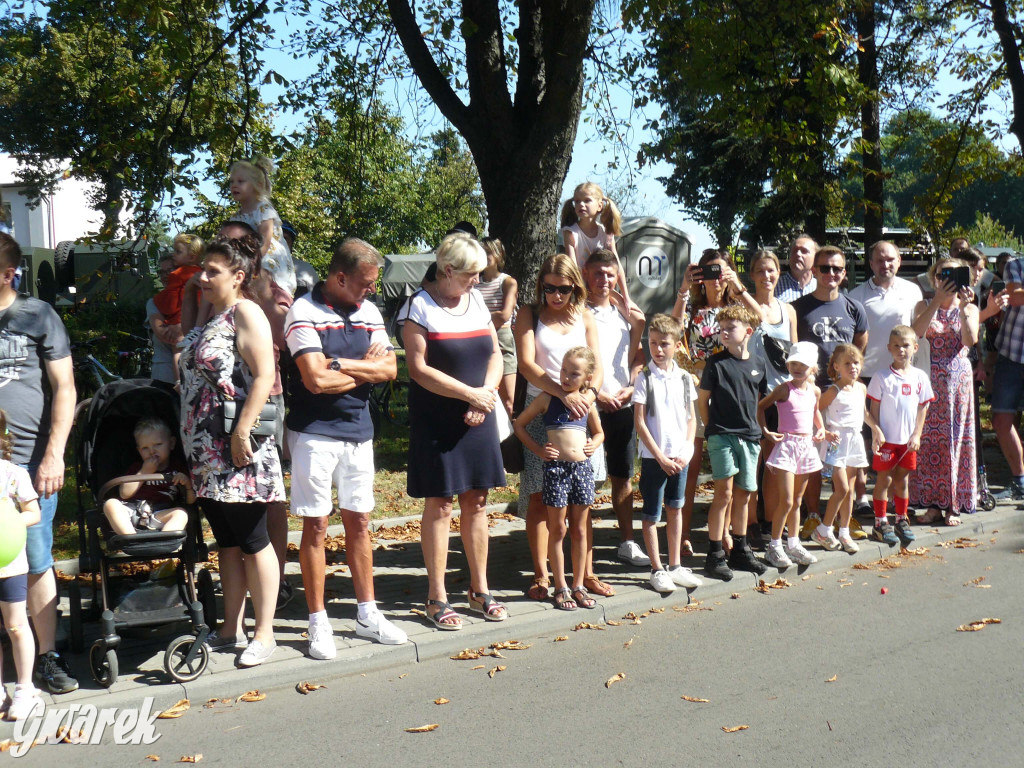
(794, 458)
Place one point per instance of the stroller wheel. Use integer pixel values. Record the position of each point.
(75, 609)
(103, 664)
(176, 659)
(208, 597)
(987, 502)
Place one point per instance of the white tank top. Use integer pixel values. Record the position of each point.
(846, 411)
(586, 245)
(551, 347)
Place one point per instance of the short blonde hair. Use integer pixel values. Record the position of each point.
(585, 355)
(738, 313)
(667, 325)
(461, 252)
(193, 244)
(904, 332)
(258, 170)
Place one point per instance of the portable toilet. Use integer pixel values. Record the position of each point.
(654, 255)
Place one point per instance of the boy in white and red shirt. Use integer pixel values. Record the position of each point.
(899, 401)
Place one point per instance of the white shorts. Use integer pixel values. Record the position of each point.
(796, 454)
(320, 463)
(849, 452)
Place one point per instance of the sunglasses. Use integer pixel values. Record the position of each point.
(830, 269)
(565, 290)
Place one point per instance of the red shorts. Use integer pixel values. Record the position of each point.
(891, 455)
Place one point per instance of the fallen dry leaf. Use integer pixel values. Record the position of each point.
(153, 758)
(177, 710)
(403, 675)
(657, 610)
(500, 668)
(561, 638)
(423, 728)
(306, 688)
(977, 626)
(441, 701)
(735, 595)
(191, 758)
(805, 577)
(734, 728)
(417, 611)
(695, 700)
(510, 645)
(630, 617)
(466, 654)
(613, 623)
(974, 582)
(253, 695)
(832, 679)
(629, 642)
(614, 679)
(586, 625)
(6, 744)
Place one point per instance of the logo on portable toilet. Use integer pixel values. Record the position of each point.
(652, 267)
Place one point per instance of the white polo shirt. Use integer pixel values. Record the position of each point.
(899, 394)
(885, 309)
(673, 395)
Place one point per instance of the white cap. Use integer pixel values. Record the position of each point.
(803, 352)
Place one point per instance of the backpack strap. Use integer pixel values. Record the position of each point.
(649, 405)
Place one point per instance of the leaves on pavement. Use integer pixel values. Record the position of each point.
(977, 626)
(695, 700)
(177, 710)
(423, 728)
(253, 695)
(617, 677)
(441, 701)
(832, 679)
(306, 688)
(734, 728)
(500, 668)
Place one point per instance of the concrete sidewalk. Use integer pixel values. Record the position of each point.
(401, 586)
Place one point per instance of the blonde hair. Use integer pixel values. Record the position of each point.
(667, 325)
(764, 255)
(841, 351)
(494, 248)
(738, 313)
(948, 261)
(904, 332)
(258, 170)
(462, 253)
(586, 355)
(193, 244)
(562, 266)
(610, 217)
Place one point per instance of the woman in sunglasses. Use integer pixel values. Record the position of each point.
(544, 332)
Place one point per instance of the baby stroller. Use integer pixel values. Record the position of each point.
(106, 446)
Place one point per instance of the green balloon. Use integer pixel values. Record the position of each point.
(12, 532)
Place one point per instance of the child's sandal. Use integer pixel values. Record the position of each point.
(563, 599)
(582, 598)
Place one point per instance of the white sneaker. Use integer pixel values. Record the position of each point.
(321, 640)
(800, 556)
(256, 654)
(684, 577)
(630, 552)
(377, 627)
(662, 582)
(849, 545)
(776, 556)
(26, 702)
(828, 541)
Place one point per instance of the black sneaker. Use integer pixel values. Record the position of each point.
(744, 560)
(754, 538)
(1014, 491)
(716, 566)
(52, 671)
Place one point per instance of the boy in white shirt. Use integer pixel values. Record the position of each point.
(899, 400)
(663, 399)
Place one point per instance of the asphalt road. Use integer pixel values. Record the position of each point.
(821, 673)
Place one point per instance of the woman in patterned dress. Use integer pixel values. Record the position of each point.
(454, 366)
(946, 477)
(235, 475)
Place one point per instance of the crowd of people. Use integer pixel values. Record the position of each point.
(782, 384)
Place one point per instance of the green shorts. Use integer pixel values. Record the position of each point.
(732, 456)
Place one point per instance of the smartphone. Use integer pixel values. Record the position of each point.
(959, 276)
(998, 286)
(710, 271)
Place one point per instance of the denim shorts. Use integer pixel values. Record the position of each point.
(1008, 397)
(39, 538)
(732, 456)
(568, 482)
(656, 486)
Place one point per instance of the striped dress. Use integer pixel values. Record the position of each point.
(447, 457)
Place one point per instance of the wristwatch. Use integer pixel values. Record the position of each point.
(335, 365)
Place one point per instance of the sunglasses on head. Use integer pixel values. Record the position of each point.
(825, 269)
(565, 290)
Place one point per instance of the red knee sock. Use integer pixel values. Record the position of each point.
(880, 505)
(902, 505)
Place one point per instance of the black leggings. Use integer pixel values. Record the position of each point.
(241, 524)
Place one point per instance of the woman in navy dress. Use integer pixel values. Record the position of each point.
(455, 366)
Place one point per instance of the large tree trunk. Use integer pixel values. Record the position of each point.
(522, 144)
(1011, 60)
(871, 144)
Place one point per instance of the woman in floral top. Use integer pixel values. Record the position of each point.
(698, 303)
(236, 475)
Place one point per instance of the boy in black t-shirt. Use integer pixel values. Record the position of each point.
(732, 384)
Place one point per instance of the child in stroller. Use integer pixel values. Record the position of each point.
(152, 505)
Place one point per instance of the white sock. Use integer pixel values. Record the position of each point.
(793, 541)
(824, 530)
(366, 610)
(865, 499)
(844, 531)
(320, 617)
(776, 543)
